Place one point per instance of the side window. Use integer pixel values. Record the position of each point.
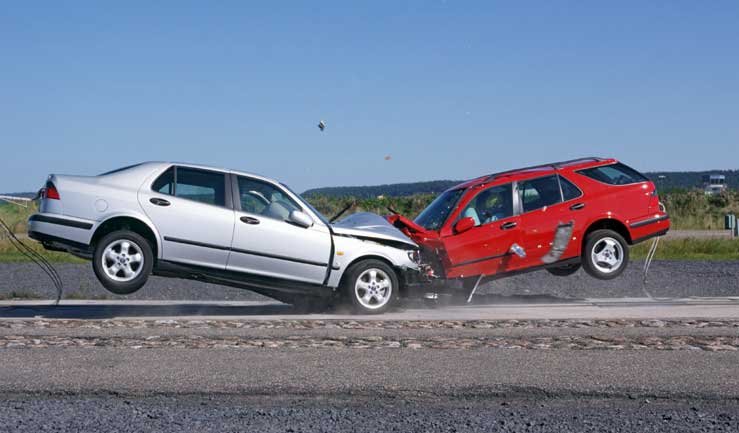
(200, 185)
(263, 198)
(165, 183)
(490, 205)
(538, 193)
(569, 190)
(615, 174)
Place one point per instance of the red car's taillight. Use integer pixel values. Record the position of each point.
(50, 192)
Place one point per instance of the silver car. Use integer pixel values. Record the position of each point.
(224, 227)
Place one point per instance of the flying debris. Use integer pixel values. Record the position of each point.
(321, 125)
(388, 157)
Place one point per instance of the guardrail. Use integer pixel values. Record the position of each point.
(20, 201)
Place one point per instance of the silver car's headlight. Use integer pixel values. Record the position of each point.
(414, 256)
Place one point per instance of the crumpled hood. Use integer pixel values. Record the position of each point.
(372, 226)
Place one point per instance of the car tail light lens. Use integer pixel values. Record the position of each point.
(50, 192)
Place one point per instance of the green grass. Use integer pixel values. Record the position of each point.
(9, 254)
(691, 249)
(16, 217)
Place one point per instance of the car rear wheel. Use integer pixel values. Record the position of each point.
(123, 261)
(606, 254)
(564, 271)
(371, 286)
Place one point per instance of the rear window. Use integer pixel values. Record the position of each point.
(615, 174)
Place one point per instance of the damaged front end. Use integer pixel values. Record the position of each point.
(432, 280)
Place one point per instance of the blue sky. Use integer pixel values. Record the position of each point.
(448, 89)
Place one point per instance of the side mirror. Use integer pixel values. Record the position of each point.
(300, 218)
(464, 224)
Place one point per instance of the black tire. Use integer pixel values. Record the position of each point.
(142, 269)
(595, 240)
(565, 271)
(363, 269)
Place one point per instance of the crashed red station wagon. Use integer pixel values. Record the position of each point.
(505, 223)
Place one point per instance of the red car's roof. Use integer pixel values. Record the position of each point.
(537, 170)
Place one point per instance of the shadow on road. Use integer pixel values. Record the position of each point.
(109, 311)
(101, 310)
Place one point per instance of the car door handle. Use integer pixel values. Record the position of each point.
(577, 206)
(249, 220)
(509, 225)
(159, 201)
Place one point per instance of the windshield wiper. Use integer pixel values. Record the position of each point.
(341, 212)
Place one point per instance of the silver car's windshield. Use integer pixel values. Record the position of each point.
(433, 217)
(306, 204)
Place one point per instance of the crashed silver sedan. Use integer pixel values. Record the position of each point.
(224, 227)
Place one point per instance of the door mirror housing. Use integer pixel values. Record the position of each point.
(464, 224)
(300, 218)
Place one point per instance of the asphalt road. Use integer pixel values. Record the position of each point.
(666, 279)
(348, 390)
(477, 368)
(369, 375)
(224, 413)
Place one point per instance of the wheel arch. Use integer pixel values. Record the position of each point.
(607, 224)
(371, 256)
(133, 223)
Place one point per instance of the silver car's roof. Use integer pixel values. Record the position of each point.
(164, 164)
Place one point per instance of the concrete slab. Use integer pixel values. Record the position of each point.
(617, 308)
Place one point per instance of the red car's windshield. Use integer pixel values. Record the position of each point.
(433, 217)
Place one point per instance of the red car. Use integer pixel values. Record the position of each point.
(505, 223)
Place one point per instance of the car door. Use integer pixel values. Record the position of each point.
(193, 213)
(485, 248)
(543, 209)
(266, 243)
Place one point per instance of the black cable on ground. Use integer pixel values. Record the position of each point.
(36, 258)
(647, 263)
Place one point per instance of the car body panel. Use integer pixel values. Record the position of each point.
(192, 236)
(369, 224)
(485, 251)
(349, 249)
(279, 249)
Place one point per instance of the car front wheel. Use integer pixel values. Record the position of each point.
(371, 286)
(123, 261)
(606, 254)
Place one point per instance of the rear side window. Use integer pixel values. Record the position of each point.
(538, 193)
(569, 190)
(199, 185)
(615, 174)
(165, 183)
